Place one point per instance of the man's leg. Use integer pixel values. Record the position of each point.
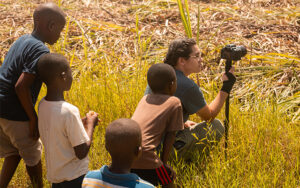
(208, 135)
(8, 169)
(36, 174)
(199, 137)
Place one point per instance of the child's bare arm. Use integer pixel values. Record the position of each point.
(22, 89)
(167, 146)
(90, 121)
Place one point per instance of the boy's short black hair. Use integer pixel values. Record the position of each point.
(52, 65)
(122, 138)
(159, 76)
(48, 11)
(179, 48)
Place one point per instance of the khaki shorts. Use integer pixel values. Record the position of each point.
(15, 140)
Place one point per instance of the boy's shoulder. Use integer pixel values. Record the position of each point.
(69, 109)
(30, 40)
(174, 100)
(94, 174)
(167, 100)
(65, 107)
(69, 106)
(95, 177)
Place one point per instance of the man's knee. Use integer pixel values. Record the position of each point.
(218, 128)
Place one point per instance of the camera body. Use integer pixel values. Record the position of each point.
(233, 52)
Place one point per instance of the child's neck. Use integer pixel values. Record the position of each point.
(54, 95)
(162, 93)
(120, 167)
(38, 35)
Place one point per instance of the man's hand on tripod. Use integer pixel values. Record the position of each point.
(228, 80)
(210, 111)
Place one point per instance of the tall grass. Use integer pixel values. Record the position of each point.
(185, 17)
(264, 145)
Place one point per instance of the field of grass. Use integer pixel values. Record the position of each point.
(111, 44)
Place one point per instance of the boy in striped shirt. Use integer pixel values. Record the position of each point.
(123, 142)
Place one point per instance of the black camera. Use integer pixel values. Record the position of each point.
(233, 52)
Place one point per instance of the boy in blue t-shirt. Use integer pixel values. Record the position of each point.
(123, 142)
(20, 85)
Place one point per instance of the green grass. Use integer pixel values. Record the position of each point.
(263, 145)
(110, 78)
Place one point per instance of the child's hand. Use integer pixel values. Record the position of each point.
(173, 173)
(92, 118)
(84, 120)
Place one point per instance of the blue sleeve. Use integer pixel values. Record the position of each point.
(193, 100)
(32, 57)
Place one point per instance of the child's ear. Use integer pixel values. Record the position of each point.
(171, 85)
(63, 75)
(170, 88)
(51, 25)
(138, 151)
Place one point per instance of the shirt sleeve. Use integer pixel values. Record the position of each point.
(32, 57)
(193, 100)
(176, 120)
(75, 130)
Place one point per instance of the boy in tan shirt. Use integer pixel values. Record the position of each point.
(159, 115)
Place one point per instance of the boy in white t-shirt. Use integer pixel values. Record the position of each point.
(66, 137)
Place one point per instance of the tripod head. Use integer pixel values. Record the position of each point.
(231, 52)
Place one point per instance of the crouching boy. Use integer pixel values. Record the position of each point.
(67, 139)
(123, 142)
(160, 116)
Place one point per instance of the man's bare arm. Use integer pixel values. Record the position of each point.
(209, 112)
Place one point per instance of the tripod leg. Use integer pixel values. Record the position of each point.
(226, 124)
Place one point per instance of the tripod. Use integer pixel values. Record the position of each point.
(226, 121)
